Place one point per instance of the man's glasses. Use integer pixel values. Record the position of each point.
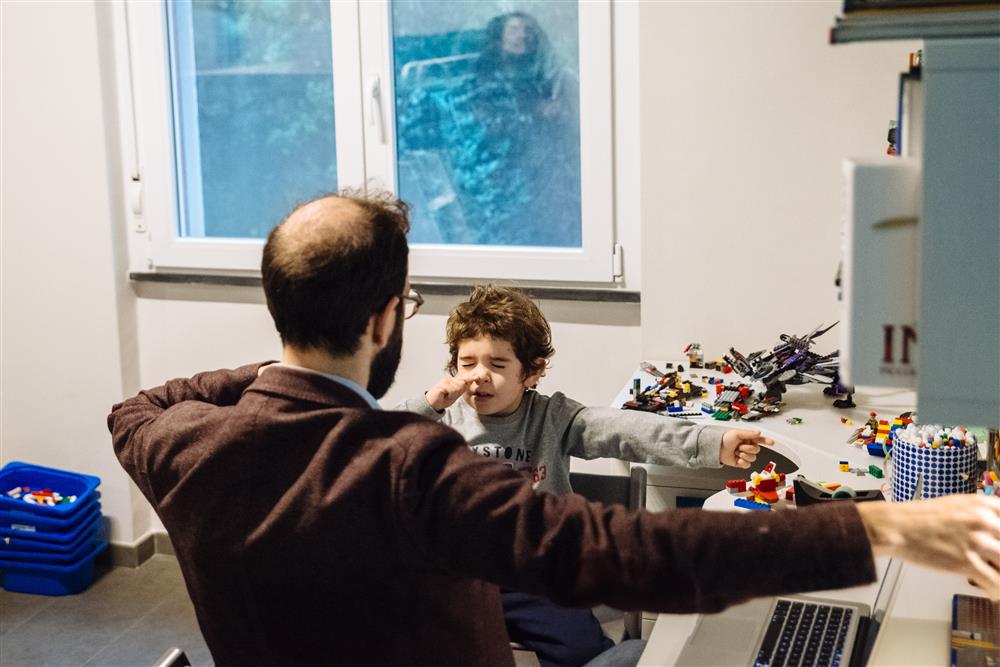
(411, 303)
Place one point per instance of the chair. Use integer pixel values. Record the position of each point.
(174, 657)
(616, 490)
(611, 490)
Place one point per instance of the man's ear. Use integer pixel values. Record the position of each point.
(533, 379)
(383, 322)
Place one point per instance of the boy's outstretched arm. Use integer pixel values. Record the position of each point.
(640, 437)
(646, 438)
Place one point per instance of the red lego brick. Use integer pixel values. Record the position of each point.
(767, 485)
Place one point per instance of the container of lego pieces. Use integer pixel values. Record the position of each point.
(22, 540)
(23, 576)
(68, 558)
(38, 523)
(940, 460)
(23, 484)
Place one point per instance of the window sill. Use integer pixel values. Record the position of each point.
(437, 289)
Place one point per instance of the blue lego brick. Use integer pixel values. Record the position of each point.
(751, 505)
(876, 450)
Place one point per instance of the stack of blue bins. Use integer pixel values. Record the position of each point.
(49, 549)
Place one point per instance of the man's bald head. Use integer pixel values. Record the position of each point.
(331, 264)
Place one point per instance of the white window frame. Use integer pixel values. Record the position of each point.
(156, 245)
(365, 144)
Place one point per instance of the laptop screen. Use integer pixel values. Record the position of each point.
(866, 641)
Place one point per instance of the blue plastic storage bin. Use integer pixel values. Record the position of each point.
(32, 522)
(20, 529)
(52, 557)
(43, 579)
(67, 483)
(12, 540)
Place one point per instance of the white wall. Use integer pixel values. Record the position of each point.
(188, 328)
(68, 324)
(747, 113)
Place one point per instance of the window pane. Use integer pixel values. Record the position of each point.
(487, 121)
(253, 116)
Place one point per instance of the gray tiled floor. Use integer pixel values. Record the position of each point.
(127, 618)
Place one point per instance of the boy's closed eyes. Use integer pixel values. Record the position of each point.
(490, 376)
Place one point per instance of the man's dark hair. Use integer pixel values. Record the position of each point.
(332, 263)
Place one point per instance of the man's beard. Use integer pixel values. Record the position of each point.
(382, 372)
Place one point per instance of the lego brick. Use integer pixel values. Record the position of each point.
(751, 505)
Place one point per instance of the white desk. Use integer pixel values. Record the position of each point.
(917, 631)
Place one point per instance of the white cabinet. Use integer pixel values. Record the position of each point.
(958, 325)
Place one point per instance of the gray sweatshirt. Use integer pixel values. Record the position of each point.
(540, 436)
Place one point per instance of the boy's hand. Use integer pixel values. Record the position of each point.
(740, 447)
(446, 392)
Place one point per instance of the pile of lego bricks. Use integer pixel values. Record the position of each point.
(762, 489)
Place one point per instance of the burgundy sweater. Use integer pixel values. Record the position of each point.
(312, 529)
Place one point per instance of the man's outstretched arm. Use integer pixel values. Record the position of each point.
(959, 533)
(129, 418)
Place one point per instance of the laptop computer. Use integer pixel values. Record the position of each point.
(792, 631)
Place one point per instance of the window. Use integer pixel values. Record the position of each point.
(252, 90)
(487, 104)
(492, 119)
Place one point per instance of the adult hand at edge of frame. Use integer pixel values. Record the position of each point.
(955, 533)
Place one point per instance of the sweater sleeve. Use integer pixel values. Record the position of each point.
(420, 406)
(133, 421)
(641, 437)
(469, 516)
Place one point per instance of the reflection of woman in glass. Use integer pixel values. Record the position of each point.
(511, 134)
(517, 51)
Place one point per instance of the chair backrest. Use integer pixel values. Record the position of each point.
(612, 489)
(616, 490)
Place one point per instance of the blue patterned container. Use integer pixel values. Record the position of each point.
(944, 470)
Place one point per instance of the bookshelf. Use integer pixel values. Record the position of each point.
(958, 147)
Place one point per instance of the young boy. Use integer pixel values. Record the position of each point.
(499, 343)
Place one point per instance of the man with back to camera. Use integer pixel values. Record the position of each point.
(314, 528)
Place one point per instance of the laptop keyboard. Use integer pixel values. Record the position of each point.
(806, 634)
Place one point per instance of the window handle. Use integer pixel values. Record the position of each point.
(135, 195)
(375, 107)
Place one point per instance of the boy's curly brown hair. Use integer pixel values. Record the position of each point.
(503, 313)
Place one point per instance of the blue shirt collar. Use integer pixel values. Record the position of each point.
(350, 384)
